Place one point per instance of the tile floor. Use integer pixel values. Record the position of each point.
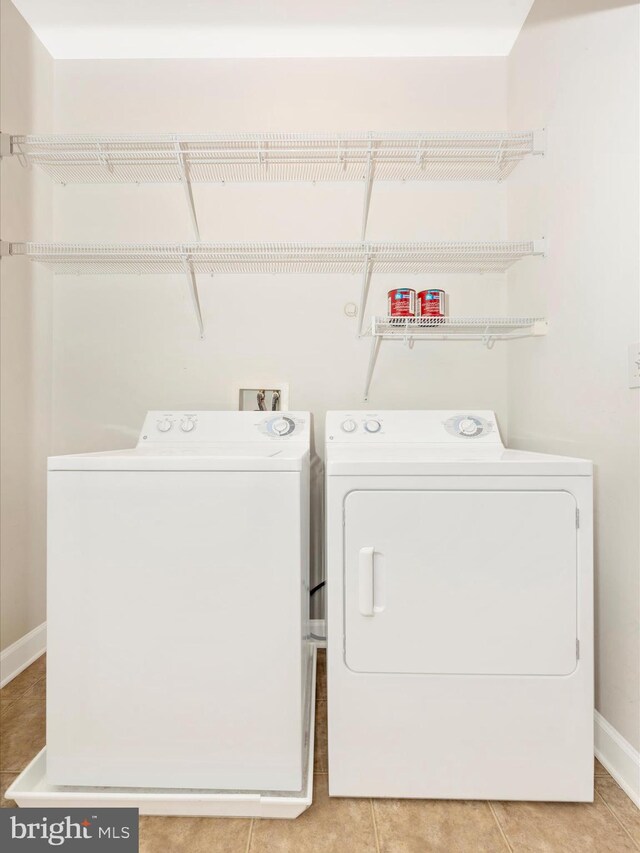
(610, 825)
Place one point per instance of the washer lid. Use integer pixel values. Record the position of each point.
(265, 456)
(423, 460)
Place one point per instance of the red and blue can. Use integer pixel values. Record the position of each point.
(431, 303)
(401, 302)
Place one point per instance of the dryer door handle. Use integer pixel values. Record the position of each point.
(365, 581)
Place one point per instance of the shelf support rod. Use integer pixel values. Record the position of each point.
(367, 192)
(188, 190)
(6, 145)
(375, 349)
(104, 159)
(366, 282)
(539, 145)
(187, 265)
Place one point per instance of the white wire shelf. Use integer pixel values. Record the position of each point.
(192, 259)
(467, 328)
(251, 157)
(485, 329)
(215, 258)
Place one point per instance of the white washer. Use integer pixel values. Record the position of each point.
(178, 653)
(460, 627)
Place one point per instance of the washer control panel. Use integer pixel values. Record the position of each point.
(221, 427)
(468, 426)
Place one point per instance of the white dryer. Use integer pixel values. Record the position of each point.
(460, 628)
(178, 652)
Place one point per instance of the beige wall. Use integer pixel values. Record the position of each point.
(128, 344)
(26, 300)
(124, 345)
(575, 69)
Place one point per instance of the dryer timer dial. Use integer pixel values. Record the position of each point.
(467, 426)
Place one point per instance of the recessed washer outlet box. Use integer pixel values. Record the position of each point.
(276, 397)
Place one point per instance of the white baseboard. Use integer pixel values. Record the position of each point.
(318, 629)
(618, 757)
(23, 652)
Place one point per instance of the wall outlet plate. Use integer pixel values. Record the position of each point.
(248, 397)
(634, 365)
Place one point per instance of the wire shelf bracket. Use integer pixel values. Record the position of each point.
(373, 358)
(188, 190)
(488, 330)
(366, 284)
(193, 292)
(368, 186)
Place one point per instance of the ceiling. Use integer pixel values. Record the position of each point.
(119, 29)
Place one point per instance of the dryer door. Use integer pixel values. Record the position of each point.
(474, 582)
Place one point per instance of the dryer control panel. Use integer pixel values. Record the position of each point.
(420, 426)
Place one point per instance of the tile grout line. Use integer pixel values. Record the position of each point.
(246, 849)
(33, 687)
(499, 825)
(617, 819)
(23, 695)
(8, 704)
(375, 826)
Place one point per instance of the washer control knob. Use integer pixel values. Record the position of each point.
(349, 425)
(282, 426)
(372, 426)
(468, 426)
(165, 424)
(187, 424)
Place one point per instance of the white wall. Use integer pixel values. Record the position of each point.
(26, 99)
(575, 69)
(125, 345)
